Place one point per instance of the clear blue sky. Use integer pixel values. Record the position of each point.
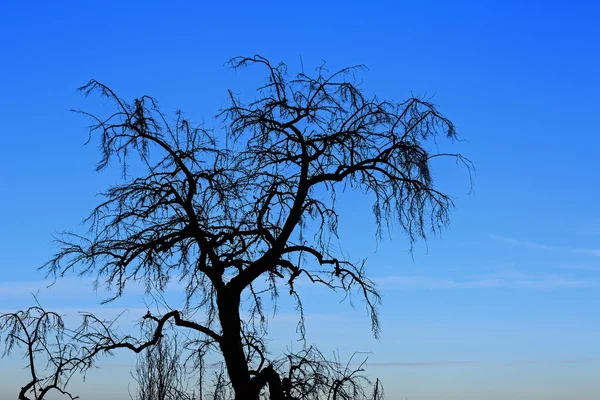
(503, 306)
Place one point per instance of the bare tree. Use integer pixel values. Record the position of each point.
(52, 358)
(247, 212)
(160, 372)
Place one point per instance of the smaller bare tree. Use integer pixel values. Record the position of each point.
(42, 337)
(160, 372)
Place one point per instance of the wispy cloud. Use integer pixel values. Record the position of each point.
(442, 363)
(64, 286)
(540, 246)
(579, 267)
(316, 317)
(586, 231)
(524, 243)
(74, 287)
(565, 361)
(455, 363)
(498, 280)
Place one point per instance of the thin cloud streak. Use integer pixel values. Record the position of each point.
(540, 246)
(422, 364)
(458, 363)
(579, 267)
(496, 281)
(67, 286)
(75, 287)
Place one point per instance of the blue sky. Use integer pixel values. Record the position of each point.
(503, 305)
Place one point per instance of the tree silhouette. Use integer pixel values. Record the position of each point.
(250, 211)
(52, 358)
(160, 373)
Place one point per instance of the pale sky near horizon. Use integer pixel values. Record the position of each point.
(503, 306)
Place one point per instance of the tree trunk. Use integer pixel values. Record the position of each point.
(228, 302)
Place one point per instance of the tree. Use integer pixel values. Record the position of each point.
(160, 372)
(44, 338)
(254, 205)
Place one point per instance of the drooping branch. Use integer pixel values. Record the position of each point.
(98, 337)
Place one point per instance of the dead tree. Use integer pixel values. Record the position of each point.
(252, 204)
(51, 356)
(160, 372)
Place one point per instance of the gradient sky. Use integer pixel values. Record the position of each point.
(503, 306)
